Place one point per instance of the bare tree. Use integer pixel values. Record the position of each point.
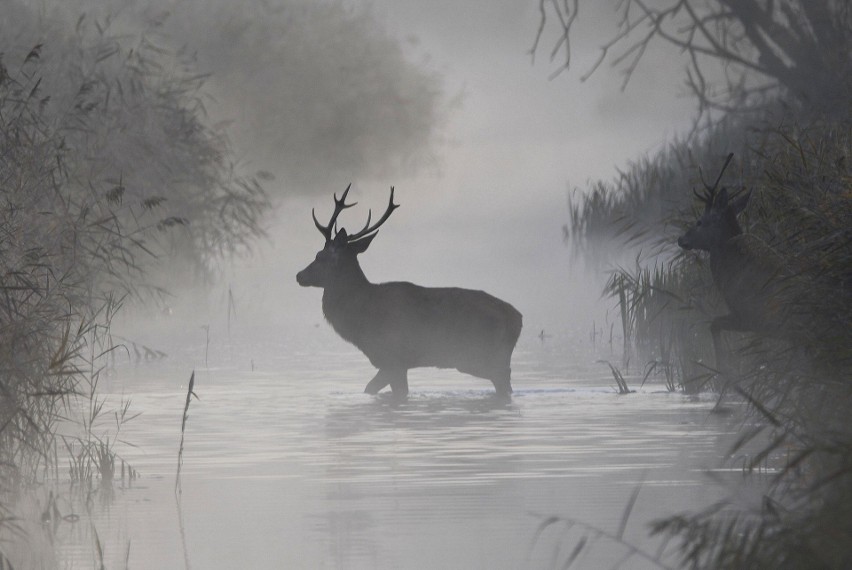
(738, 50)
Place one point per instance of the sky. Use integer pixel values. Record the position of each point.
(487, 212)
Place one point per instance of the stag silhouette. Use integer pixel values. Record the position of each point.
(400, 325)
(762, 293)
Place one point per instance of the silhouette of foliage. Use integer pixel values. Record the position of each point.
(131, 115)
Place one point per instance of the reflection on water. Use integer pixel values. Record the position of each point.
(291, 466)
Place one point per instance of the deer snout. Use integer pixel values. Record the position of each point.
(302, 279)
(683, 242)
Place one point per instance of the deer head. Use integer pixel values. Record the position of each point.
(337, 262)
(718, 223)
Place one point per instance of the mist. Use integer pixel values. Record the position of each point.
(284, 461)
(481, 144)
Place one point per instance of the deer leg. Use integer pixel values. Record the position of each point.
(379, 381)
(503, 384)
(500, 377)
(716, 332)
(397, 379)
(728, 323)
(399, 383)
(502, 380)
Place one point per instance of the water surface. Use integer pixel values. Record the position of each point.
(288, 465)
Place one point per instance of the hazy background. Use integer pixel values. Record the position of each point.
(441, 100)
(126, 172)
(486, 211)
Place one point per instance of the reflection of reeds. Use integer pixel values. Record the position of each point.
(99, 550)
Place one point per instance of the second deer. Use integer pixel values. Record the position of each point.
(762, 294)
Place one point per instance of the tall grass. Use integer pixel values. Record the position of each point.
(639, 211)
(802, 391)
(799, 389)
(107, 170)
(56, 249)
(664, 311)
(131, 113)
(189, 394)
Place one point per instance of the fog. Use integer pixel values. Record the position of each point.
(445, 103)
(173, 398)
(287, 463)
(482, 142)
(483, 192)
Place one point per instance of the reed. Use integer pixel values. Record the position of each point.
(189, 394)
(131, 114)
(620, 383)
(611, 222)
(799, 392)
(109, 170)
(590, 535)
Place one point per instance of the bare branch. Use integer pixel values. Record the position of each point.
(801, 47)
(542, 21)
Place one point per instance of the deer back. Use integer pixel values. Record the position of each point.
(403, 325)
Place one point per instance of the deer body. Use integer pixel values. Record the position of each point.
(399, 325)
(752, 279)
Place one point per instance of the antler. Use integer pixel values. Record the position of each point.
(368, 229)
(339, 206)
(710, 191)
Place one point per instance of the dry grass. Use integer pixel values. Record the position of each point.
(189, 394)
(108, 170)
(798, 388)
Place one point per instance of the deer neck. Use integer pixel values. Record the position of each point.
(343, 300)
(727, 261)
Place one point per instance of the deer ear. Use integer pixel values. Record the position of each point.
(740, 202)
(341, 238)
(362, 244)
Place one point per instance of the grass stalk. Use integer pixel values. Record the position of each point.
(189, 394)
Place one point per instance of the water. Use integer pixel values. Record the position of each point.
(289, 465)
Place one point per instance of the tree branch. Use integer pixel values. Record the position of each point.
(802, 46)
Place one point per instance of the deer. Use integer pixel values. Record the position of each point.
(400, 325)
(762, 293)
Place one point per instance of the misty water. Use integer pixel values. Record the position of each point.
(288, 465)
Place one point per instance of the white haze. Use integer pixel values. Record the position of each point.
(271, 472)
(483, 148)
(489, 215)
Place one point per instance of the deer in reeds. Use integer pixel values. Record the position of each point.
(400, 325)
(762, 293)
